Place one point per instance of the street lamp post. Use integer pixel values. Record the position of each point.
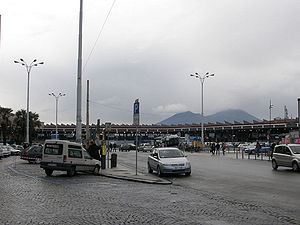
(202, 78)
(28, 69)
(56, 108)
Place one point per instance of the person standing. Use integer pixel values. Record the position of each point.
(272, 148)
(93, 150)
(257, 148)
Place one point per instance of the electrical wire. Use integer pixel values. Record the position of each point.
(124, 110)
(101, 30)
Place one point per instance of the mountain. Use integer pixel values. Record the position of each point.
(230, 116)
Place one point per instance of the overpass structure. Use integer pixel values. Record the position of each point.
(227, 132)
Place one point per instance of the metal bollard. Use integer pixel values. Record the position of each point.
(236, 155)
(242, 154)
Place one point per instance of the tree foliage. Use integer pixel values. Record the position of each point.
(19, 126)
(5, 122)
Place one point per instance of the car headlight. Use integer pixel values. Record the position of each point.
(188, 164)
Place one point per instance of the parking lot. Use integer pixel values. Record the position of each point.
(221, 190)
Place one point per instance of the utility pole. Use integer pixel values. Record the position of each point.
(79, 78)
(270, 108)
(87, 126)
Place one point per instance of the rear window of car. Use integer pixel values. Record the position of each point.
(53, 149)
(34, 149)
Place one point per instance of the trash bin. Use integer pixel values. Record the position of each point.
(113, 160)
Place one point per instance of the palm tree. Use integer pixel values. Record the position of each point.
(20, 125)
(5, 115)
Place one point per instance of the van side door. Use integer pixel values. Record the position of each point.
(89, 162)
(75, 157)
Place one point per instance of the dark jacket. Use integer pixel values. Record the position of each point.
(93, 150)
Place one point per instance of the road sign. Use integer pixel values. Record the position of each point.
(136, 113)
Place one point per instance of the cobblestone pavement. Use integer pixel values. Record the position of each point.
(30, 197)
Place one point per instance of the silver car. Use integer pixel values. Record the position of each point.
(168, 161)
(286, 155)
(145, 147)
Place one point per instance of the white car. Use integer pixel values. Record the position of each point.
(14, 151)
(67, 156)
(168, 161)
(5, 150)
(1, 152)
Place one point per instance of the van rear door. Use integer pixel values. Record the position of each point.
(53, 152)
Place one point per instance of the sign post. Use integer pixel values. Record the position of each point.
(107, 130)
(136, 122)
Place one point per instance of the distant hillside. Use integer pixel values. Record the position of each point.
(227, 115)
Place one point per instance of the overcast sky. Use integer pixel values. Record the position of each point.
(147, 50)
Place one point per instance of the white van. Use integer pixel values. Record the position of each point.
(67, 156)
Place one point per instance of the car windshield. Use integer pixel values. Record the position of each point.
(168, 153)
(295, 149)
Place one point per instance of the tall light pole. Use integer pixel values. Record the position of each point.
(28, 69)
(270, 108)
(56, 108)
(202, 78)
(79, 78)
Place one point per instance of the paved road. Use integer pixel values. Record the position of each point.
(220, 191)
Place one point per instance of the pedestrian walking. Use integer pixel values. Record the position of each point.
(115, 147)
(223, 148)
(218, 148)
(213, 148)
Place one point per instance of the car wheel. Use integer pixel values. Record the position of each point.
(96, 170)
(149, 169)
(159, 173)
(274, 165)
(71, 172)
(48, 172)
(188, 174)
(295, 166)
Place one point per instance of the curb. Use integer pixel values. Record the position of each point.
(165, 182)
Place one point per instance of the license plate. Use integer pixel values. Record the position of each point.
(51, 164)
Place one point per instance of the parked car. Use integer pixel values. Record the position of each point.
(252, 150)
(14, 151)
(32, 154)
(127, 147)
(145, 147)
(1, 152)
(168, 161)
(5, 151)
(67, 156)
(286, 155)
